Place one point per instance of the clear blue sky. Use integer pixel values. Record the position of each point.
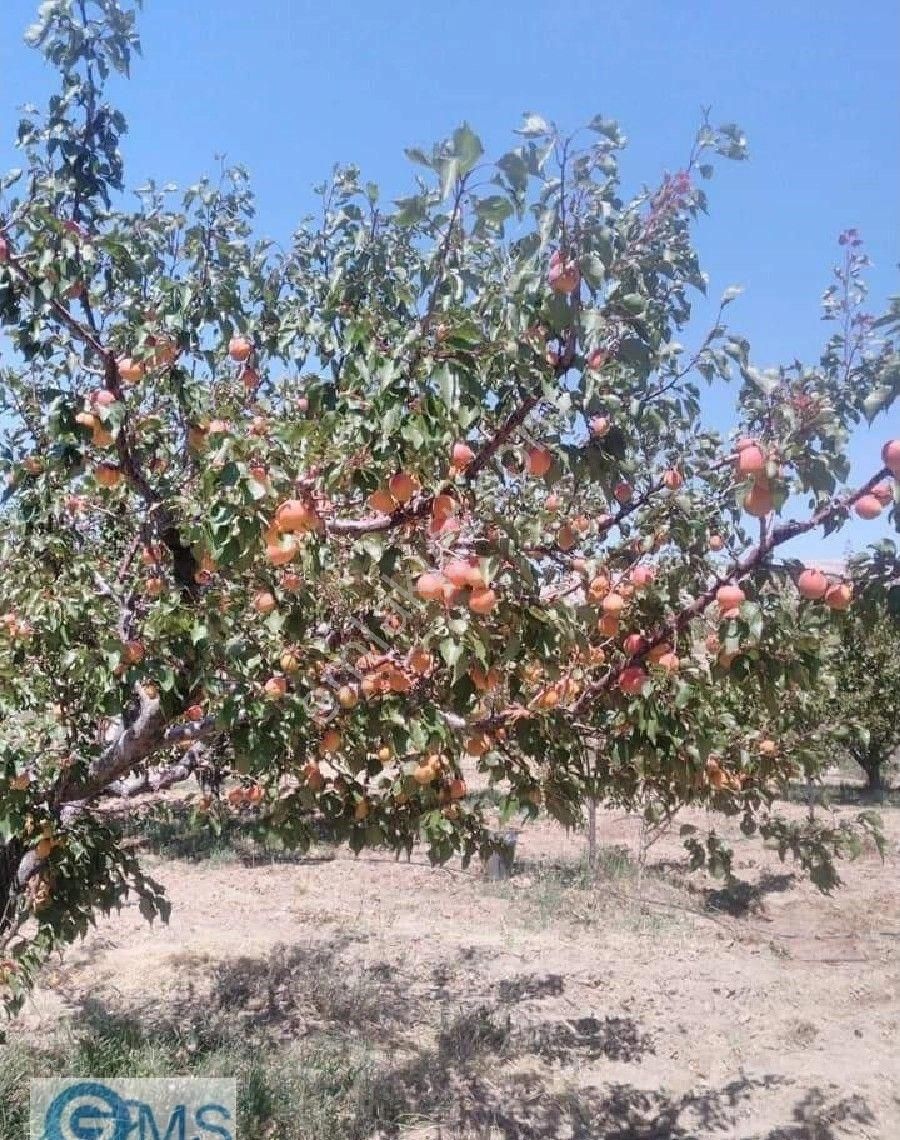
(290, 86)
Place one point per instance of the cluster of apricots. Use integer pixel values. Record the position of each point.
(293, 519)
(752, 464)
(460, 581)
(813, 585)
(612, 595)
(431, 773)
(249, 795)
(15, 627)
(93, 416)
(241, 351)
(399, 490)
(871, 505)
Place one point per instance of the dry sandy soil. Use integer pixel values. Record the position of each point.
(544, 1006)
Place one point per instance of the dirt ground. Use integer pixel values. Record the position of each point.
(546, 1005)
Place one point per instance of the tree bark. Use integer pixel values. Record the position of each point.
(10, 859)
(146, 735)
(872, 762)
(592, 833)
(159, 779)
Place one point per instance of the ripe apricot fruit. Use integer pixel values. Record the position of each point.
(812, 584)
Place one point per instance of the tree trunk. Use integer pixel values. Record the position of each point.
(872, 763)
(592, 833)
(500, 864)
(10, 859)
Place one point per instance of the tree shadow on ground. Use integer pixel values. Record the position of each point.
(172, 832)
(529, 987)
(313, 986)
(291, 991)
(843, 795)
(495, 1066)
(616, 1111)
(612, 861)
(815, 1117)
(740, 898)
(616, 1038)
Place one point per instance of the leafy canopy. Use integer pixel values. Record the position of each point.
(425, 498)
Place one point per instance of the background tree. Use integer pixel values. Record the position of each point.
(864, 710)
(425, 494)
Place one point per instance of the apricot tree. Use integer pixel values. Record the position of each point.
(860, 713)
(425, 495)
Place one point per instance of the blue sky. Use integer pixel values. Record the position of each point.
(290, 86)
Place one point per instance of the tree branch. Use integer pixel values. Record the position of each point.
(184, 563)
(164, 777)
(739, 569)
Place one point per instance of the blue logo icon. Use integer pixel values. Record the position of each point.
(179, 1108)
(87, 1111)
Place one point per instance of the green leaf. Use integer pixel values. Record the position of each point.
(467, 148)
(515, 168)
(410, 211)
(414, 154)
(633, 303)
(495, 209)
(147, 908)
(448, 169)
(200, 632)
(824, 876)
(534, 126)
(879, 398)
(274, 623)
(609, 127)
(767, 382)
(373, 545)
(451, 651)
(593, 270)
(751, 613)
(682, 695)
